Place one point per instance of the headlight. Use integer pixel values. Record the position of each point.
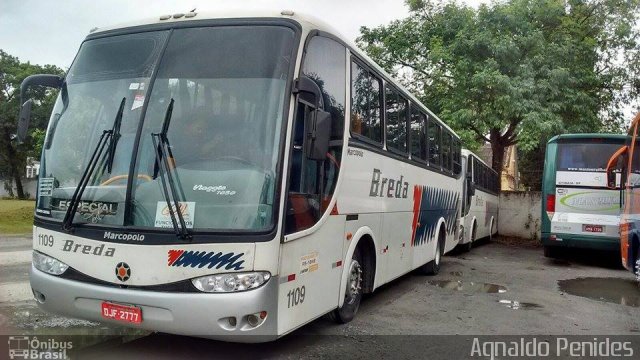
(48, 264)
(231, 282)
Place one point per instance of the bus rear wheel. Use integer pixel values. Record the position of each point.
(552, 252)
(433, 266)
(353, 293)
(636, 263)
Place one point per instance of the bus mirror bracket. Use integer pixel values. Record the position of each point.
(611, 166)
(48, 80)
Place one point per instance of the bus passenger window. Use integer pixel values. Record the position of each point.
(433, 136)
(365, 104)
(396, 120)
(418, 135)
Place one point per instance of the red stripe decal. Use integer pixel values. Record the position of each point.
(174, 255)
(417, 200)
(291, 277)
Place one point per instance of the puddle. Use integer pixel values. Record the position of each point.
(456, 273)
(469, 286)
(612, 290)
(517, 305)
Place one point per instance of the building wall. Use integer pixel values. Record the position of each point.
(519, 214)
(29, 186)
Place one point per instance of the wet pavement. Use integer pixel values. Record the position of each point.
(493, 290)
(607, 289)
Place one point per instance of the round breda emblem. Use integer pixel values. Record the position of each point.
(123, 271)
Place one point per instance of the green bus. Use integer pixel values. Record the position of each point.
(578, 209)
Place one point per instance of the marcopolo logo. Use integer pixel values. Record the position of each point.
(27, 347)
(200, 259)
(124, 237)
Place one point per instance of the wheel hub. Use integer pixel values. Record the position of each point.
(354, 282)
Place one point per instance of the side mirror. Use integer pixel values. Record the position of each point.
(48, 80)
(612, 165)
(471, 189)
(23, 120)
(309, 92)
(318, 135)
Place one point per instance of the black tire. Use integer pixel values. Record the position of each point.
(466, 247)
(433, 266)
(552, 252)
(353, 294)
(636, 263)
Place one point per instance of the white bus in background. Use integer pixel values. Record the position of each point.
(480, 200)
(234, 177)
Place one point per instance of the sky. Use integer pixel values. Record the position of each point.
(50, 32)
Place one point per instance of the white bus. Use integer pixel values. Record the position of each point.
(480, 205)
(304, 177)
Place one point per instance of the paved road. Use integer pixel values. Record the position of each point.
(493, 290)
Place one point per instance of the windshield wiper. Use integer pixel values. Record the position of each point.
(115, 136)
(72, 206)
(163, 153)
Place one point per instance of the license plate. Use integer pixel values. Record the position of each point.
(124, 313)
(593, 228)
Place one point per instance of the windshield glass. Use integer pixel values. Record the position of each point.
(228, 86)
(585, 157)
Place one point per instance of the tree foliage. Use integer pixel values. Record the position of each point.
(13, 156)
(517, 71)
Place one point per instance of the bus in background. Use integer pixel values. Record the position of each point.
(480, 192)
(234, 177)
(578, 210)
(629, 156)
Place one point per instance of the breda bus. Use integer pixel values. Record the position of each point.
(577, 208)
(479, 200)
(629, 156)
(227, 176)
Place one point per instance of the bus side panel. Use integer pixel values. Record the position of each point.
(310, 274)
(548, 188)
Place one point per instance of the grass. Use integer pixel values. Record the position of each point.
(16, 216)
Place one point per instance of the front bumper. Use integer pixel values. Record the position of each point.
(191, 314)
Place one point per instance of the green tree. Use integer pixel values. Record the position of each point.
(13, 156)
(518, 71)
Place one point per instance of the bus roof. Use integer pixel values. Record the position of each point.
(307, 23)
(467, 152)
(556, 138)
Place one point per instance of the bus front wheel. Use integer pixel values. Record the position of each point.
(353, 293)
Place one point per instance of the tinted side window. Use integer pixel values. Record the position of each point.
(418, 135)
(396, 120)
(365, 103)
(433, 135)
(457, 166)
(446, 152)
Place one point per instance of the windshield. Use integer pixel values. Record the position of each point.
(585, 157)
(228, 86)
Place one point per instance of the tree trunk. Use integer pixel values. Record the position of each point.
(497, 154)
(14, 167)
